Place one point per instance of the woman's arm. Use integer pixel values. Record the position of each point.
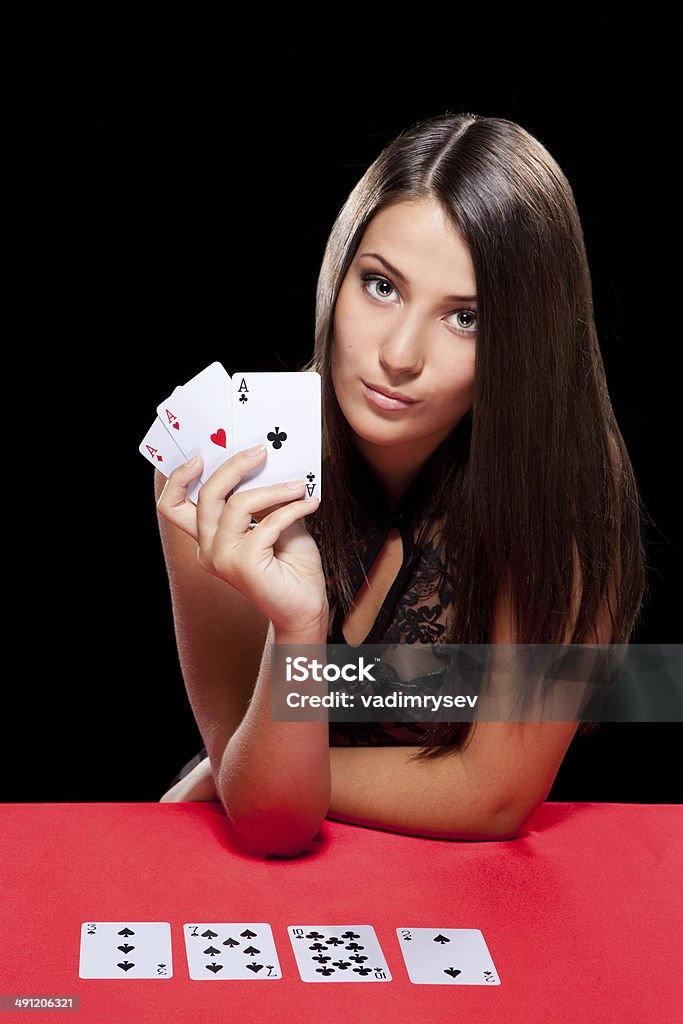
(273, 778)
(220, 637)
(483, 792)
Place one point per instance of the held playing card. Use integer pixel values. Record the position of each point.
(128, 949)
(226, 952)
(282, 411)
(160, 449)
(447, 956)
(198, 417)
(338, 953)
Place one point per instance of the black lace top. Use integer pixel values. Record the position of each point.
(416, 608)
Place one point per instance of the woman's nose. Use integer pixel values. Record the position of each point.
(401, 350)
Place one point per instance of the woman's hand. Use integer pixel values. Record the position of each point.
(275, 563)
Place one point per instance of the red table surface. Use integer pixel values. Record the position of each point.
(581, 914)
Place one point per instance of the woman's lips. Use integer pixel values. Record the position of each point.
(384, 401)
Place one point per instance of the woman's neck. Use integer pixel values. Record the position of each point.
(394, 468)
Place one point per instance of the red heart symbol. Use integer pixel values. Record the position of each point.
(219, 437)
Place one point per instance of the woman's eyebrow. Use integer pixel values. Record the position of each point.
(397, 273)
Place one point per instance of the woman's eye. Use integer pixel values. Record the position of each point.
(378, 287)
(465, 321)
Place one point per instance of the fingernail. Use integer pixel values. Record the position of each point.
(295, 485)
(194, 461)
(256, 450)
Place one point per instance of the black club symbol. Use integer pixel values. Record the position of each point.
(277, 438)
(243, 398)
(310, 477)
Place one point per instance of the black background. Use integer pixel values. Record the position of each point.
(174, 193)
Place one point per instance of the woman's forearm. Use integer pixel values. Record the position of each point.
(274, 778)
(383, 788)
(486, 790)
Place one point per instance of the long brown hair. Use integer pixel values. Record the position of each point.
(536, 479)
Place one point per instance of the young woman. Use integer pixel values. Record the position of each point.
(477, 490)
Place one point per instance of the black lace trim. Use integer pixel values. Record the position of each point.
(420, 613)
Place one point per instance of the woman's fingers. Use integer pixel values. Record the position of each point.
(256, 503)
(211, 504)
(173, 503)
(225, 517)
(266, 534)
(201, 520)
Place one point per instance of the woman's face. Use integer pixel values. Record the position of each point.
(405, 321)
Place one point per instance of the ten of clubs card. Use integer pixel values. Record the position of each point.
(338, 953)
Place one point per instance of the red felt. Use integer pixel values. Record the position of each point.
(581, 914)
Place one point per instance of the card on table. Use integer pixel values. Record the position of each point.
(283, 411)
(128, 949)
(447, 956)
(198, 416)
(231, 951)
(338, 953)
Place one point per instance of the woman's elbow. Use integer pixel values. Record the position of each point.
(509, 822)
(270, 820)
(276, 833)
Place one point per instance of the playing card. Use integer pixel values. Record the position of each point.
(160, 449)
(338, 953)
(198, 416)
(283, 411)
(128, 949)
(225, 952)
(447, 956)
